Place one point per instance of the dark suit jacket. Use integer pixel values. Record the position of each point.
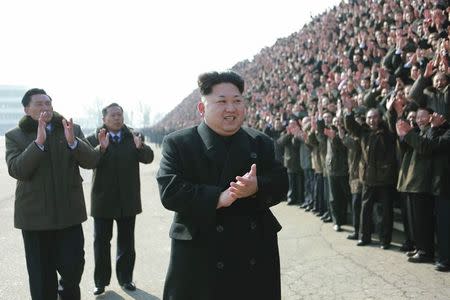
(229, 253)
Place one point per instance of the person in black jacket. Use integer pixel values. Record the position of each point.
(115, 195)
(221, 179)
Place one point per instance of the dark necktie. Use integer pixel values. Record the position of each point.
(116, 139)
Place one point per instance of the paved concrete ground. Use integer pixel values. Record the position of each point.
(317, 263)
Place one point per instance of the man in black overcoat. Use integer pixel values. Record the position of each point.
(116, 196)
(220, 179)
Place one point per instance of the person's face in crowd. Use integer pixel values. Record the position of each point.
(39, 104)
(400, 96)
(113, 119)
(292, 126)
(365, 83)
(336, 122)
(411, 117)
(328, 118)
(373, 119)
(422, 118)
(414, 74)
(278, 125)
(439, 81)
(360, 119)
(409, 17)
(398, 17)
(224, 109)
(443, 66)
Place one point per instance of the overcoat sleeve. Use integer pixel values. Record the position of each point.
(21, 163)
(178, 194)
(424, 145)
(273, 182)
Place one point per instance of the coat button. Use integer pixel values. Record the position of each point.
(253, 225)
(220, 265)
(219, 228)
(252, 262)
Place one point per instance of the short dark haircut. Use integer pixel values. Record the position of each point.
(428, 109)
(26, 99)
(206, 81)
(105, 109)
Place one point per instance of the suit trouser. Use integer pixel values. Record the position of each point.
(443, 228)
(340, 189)
(308, 186)
(407, 210)
(356, 210)
(318, 193)
(423, 222)
(125, 256)
(295, 192)
(385, 212)
(50, 251)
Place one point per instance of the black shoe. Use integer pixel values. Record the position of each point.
(325, 216)
(129, 286)
(362, 243)
(99, 290)
(327, 220)
(411, 253)
(353, 236)
(292, 203)
(319, 215)
(441, 267)
(308, 208)
(337, 228)
(385, 246)
(420, 257)
(304, 205)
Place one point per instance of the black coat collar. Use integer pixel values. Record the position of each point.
(28, 124)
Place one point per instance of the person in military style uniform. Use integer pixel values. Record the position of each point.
(220, 179)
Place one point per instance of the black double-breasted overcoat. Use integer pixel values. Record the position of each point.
(227, 253)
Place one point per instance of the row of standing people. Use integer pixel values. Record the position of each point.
(368, 156)
(44, 153)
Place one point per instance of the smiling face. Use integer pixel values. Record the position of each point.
(113, 119)
(223, 110)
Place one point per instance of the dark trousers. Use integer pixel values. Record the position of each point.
(443, 229)
(423, 222)
(50, 251)
(340, 189)
(125, 256)
(327, 195)
(384, 213)
(356, 210)
(295, 192)
(308, 186)
(407, 210)
(318, 193)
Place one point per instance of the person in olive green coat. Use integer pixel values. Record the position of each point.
(116, 195)
(437, 145)
(44, 154)
(378, 173)
(415, 178)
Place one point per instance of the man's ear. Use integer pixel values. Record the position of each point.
(25, 109)
(201, 108)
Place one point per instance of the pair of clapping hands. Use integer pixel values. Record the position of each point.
(103, 139)
(243, 187)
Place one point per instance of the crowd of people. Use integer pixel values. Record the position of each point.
(357, 105)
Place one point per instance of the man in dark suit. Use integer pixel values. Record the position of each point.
(44, 153)
(220, 179)
(116, 195)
